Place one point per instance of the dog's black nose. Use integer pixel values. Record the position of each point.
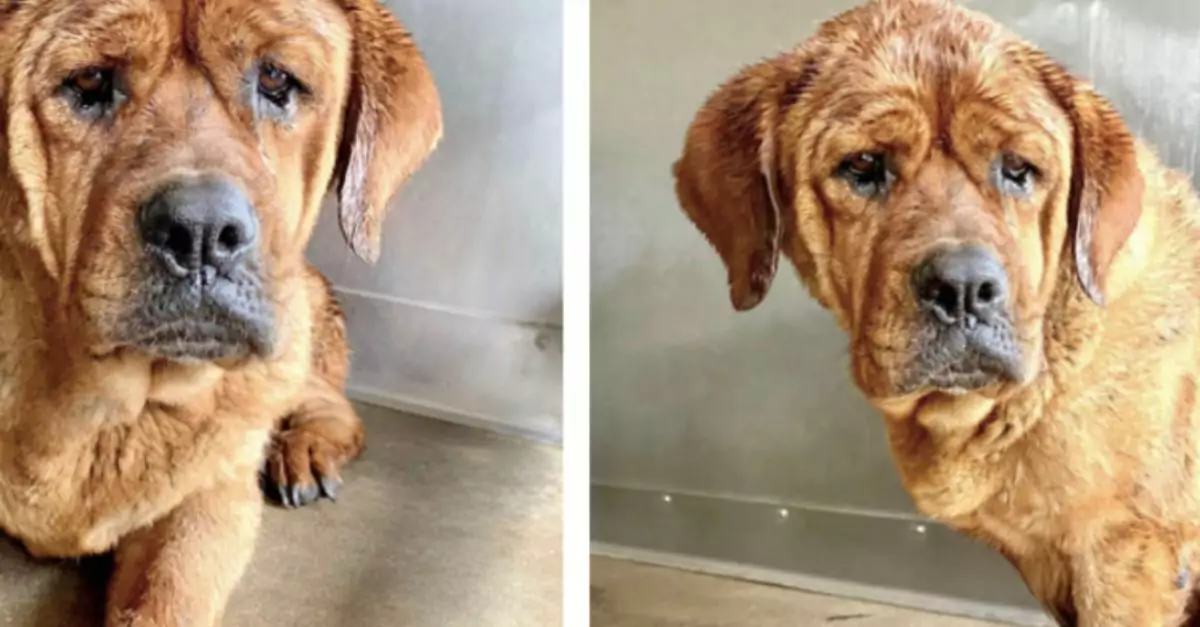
(206, 223)
(962, 284)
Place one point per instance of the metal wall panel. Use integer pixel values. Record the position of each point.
(462, 315)
(690, 397)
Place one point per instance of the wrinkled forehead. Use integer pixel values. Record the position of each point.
(69, 34)
(942, 80)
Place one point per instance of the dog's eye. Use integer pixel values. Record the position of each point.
(92, 81)
(92, 92)
(1015, 168)
(1016, 173)
(866, 172)
(863, 164)
(276, 84)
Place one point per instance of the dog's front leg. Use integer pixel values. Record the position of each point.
(1130, 577)
(181, 570)
(321, 432)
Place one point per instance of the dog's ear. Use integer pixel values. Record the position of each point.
(728, 179)
(1106, 184)
(393, 121)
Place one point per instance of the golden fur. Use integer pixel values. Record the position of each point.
(1083, 469)
(103, 447)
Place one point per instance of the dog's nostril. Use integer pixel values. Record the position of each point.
(178, 240)
(229, 239)
(986, 293)
(946, 298)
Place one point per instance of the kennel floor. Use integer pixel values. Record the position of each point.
(629, 594)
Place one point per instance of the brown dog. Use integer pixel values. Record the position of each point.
(163, 164)
(1018, 276)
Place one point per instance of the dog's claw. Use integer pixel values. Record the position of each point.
(292, 496)
(330, 487)
(308, 494)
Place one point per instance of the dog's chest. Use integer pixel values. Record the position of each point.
(115, 471)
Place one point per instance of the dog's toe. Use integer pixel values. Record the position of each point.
(303, 495)
(302, 468)
(330, 487)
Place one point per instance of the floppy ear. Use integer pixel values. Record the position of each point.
(1106, 184)
(393, 121)
(728, 177)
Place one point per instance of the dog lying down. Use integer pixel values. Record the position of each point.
(162, 166)
(1017, 275)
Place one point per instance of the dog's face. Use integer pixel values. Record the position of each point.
(165, 159)
(933, 179)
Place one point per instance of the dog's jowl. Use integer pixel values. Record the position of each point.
(162, 166)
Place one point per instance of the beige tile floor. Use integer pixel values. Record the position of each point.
(626, 594)
(438, 525)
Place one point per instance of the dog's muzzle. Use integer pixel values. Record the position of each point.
(965, 338)
(202, 295)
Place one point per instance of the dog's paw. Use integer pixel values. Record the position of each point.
(303, 464)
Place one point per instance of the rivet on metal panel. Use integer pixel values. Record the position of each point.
(666, 498)
(783, 513)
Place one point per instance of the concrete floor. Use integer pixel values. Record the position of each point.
(438, 525)
(626, 594)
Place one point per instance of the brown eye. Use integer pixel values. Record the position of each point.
(91, 80)
(866, 172)
(272, 79)
(92, 91)
(863, 163)
(1016, 174)
(276, 84)
(1014, 167)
